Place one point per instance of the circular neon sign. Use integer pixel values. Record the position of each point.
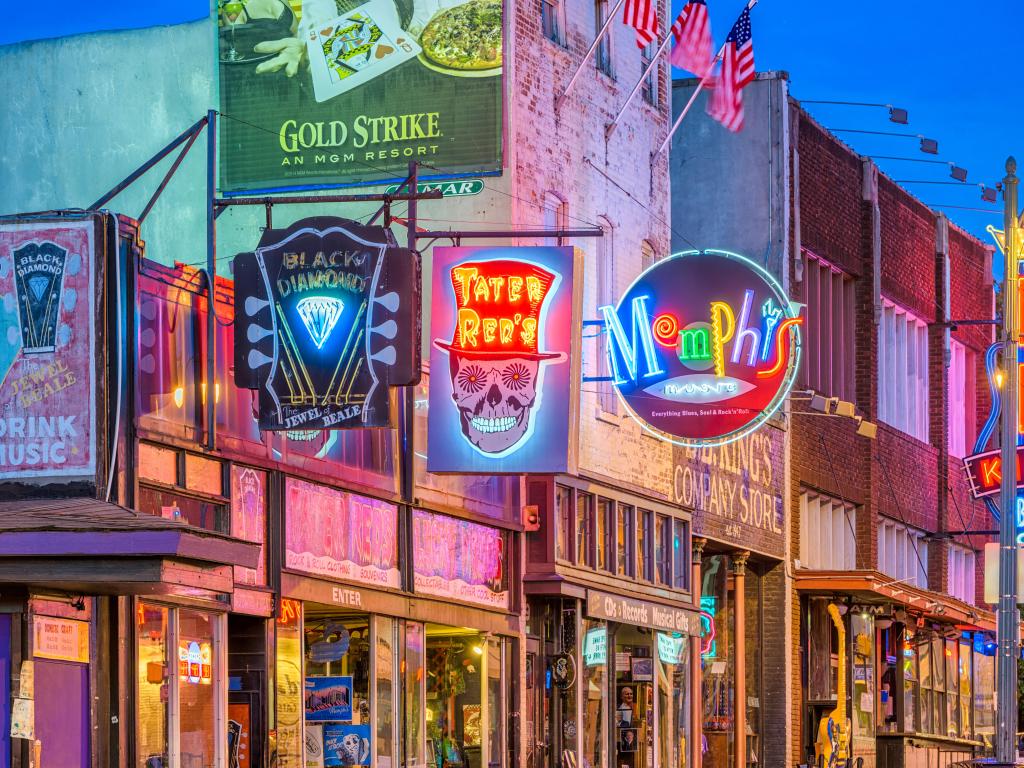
(703, 347)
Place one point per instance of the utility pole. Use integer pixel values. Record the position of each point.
(1008, 618)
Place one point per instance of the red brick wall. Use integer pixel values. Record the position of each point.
(895, 475)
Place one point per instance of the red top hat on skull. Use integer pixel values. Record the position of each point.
(499, 304)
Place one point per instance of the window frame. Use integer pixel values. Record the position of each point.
(820, 347)
(552, 21)
(603, 52)
(903, 377)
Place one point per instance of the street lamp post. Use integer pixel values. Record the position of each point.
(1008, 619)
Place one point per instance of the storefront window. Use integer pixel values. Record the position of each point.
(595, 689)
(415, 743)
(673, 665)
(288, 663)
(717, 663)
(454, 697)
(337, 687)
(197, 694)
(634, 698)
(624, 541)
(910, 689)
(496, 747)
(584, 529)
(643, 544)
(249, 518)
(662, 552)
(984, 691)
(964, 688)
(153, 686)
(604, 521)
(386, 662)
(889, 653)
(680, 554)
(952, 686)
(563, 503)
(929, 706)
(862, 629)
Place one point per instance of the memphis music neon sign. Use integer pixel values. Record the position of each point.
(703, 347)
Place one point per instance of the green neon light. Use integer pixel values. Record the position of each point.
(694, 344)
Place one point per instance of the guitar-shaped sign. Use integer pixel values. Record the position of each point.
(832, 749)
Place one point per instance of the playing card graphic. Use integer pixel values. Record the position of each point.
(354, 48)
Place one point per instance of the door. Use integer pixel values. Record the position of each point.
(62, 713)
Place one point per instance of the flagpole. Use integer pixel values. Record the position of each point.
(610, 128)
(693, 96)
(593, 47)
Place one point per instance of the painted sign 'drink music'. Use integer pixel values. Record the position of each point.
(703, 347)
(47, 370)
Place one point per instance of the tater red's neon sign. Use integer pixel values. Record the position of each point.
(702, 347)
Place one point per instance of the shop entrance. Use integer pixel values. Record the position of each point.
(247, 690)
(62, 712)
(402, 692)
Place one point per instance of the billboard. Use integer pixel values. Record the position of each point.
(47, 355)
(501, 360)
(326, 92)
(703, 347)
(327, 319)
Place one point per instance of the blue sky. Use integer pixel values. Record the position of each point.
(943, 61)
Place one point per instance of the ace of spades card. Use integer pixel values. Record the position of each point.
(356, 47)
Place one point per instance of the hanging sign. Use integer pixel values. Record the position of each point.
(501, 361)
(47, 340)
(326, 320)
(703, 347)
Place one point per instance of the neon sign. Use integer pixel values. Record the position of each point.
(326, 319)
(500, 361)
(703, 347)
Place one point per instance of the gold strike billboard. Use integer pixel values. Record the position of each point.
(331, 92)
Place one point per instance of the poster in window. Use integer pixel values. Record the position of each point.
(346, 745)
(328, 699)
(249, 518)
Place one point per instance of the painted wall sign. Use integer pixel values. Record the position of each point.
(318, 96)
(249, 518)
(340, 535)
(703, 347)
(641, 613)
(459, 560)
(326, 320)
(501, 360)
(61, 639)
(735, 490)
(47, 357)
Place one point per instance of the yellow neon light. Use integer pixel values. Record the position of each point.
(720, 309)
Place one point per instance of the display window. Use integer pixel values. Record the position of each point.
(634, 697)
(594, 683)
(180, 687)
(450, 685)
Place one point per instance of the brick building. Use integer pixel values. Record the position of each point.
(872, 523)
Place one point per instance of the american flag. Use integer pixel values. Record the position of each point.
(642, 15)
(726, 103)
(692, 31)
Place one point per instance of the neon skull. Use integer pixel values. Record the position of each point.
(495, 355)
(494, 398)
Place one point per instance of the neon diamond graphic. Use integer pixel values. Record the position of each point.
(320, 314)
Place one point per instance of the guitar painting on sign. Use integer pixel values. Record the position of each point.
(832, 748)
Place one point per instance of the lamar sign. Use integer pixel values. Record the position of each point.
(326, 320)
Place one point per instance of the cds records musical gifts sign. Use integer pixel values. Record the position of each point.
(326, 320)
(47, 371)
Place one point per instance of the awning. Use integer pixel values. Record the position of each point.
(94, 547)
(874, 587)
